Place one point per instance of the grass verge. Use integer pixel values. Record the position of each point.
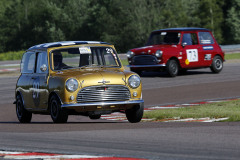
(124, 62)
(229, 109)
(11, 55)
(17, 55)
(232, 56)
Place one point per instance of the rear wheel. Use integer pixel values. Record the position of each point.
(58, 114)
(172, 68)
(135, 114)
(217, 64)
(23, 115)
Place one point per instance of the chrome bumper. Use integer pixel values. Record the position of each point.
(103, 103)
(155, 65)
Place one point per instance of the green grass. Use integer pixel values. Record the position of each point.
(11, 55)
(17, 55)
(229, 109)
(232, 56)
(124, 62)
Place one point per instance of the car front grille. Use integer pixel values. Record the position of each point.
(103, 93)
(144, 60)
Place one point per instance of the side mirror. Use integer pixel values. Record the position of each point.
(184, 44)
(43, 68)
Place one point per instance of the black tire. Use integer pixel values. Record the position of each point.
(217, 64)
(58, 114)
(172, 68)
(23, 115)
(135, 114)
(139, 72)
(95, 116)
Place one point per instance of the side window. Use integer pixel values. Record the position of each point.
(205, 38)
(28, 62)
(190, 38)
(42, 63)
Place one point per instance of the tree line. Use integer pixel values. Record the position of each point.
(126, 24)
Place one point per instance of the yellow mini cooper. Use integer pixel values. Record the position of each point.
(76, 78)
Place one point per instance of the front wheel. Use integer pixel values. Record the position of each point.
(58, 114)
(172, 68)
(23, 115)
(217, 64)
(135, 114)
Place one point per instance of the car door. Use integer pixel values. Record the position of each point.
(25, 80)
(207, 47)
(191, 56)
(40, 82)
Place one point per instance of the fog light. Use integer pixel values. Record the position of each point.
(134, 94)
(71, 98)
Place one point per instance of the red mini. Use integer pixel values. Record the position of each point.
(176, 50)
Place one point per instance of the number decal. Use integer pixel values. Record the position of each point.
(192, 55)
(36, 90)
(109, 50)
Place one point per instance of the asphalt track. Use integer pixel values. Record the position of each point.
(150, 140)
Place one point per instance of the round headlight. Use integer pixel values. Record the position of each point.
(158, 53)
(134, 81)
(130, 54)
(71, 84)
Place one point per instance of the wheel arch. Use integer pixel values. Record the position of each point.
(53, 93)
(219, 56)
(18, 93)
(176, 59)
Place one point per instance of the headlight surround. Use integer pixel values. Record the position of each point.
(134, 81)
(130, 54)
(159, 53)
(72, 85)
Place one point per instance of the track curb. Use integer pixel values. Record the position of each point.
(51, 156)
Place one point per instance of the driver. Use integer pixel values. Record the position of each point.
(57, 59)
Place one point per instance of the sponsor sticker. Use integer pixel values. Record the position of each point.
(206, 42)
(207, 47)
(163, 33)
(208, 57)
(187, 62)
(85, 50)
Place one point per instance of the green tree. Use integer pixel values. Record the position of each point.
(211, 15)
(233, 22)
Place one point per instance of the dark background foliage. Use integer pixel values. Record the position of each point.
(124, 23)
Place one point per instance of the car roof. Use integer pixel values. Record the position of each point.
(64, 43)
(183, 29)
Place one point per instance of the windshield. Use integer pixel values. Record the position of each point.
(164, 38)
(83, 57)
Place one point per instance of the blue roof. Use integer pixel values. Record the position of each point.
(64, 43)
(183, 29)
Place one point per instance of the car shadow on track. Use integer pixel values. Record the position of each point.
(64, 123)
(165, 75)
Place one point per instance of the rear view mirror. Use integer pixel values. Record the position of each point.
(43, 68)
(184, 44)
